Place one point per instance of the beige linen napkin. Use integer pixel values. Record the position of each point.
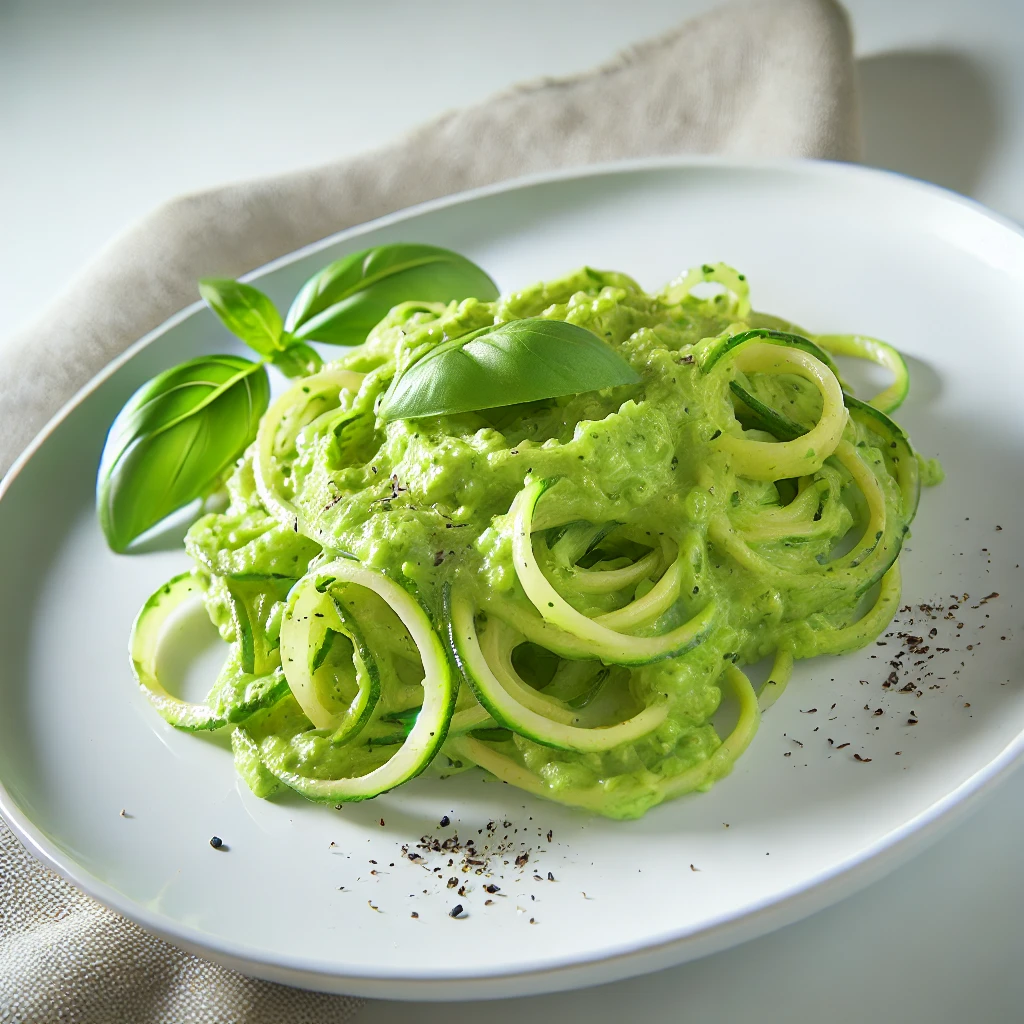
(771, 78)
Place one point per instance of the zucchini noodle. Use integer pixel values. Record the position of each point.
(878, 352)
(560, 593)
(279, 432)
(782, 670)
(604, 641)
(775, 460)
(607, 581)
(312, 623)
(505, 699)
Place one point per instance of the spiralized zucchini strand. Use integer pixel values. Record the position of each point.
(504, 768)
(715, 767)
(777, 681)
(307, 618)
(610, 645)
(861, 347)
(497, 642)
(439, 692)
(607, 581)
(269, 443)
(721, 761)
(149, 631)
(766, 460)
(655, 602)
(506, 703)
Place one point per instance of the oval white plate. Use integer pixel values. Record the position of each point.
(799, 824)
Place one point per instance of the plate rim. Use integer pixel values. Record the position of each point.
(630, 957)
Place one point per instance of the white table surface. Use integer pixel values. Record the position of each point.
(109, 106)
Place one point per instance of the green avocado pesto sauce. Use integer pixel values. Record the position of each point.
(792, 565)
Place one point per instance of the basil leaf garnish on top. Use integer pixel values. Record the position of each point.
(246, 312)
(174, 440)
(342, 303)
(520, 361)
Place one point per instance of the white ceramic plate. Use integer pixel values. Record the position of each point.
(800, 822)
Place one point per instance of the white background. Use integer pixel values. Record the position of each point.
(107, 108)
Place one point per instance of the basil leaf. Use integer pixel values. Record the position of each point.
(342, 303)
(174, 439)
(521, 361)
(297, 359)
(246, 312)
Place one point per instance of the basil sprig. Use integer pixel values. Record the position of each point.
(181, 432)
(247, 313)
(520, 361)
(175, 439)
(346, 299)
(250, 315)
(342, 303)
